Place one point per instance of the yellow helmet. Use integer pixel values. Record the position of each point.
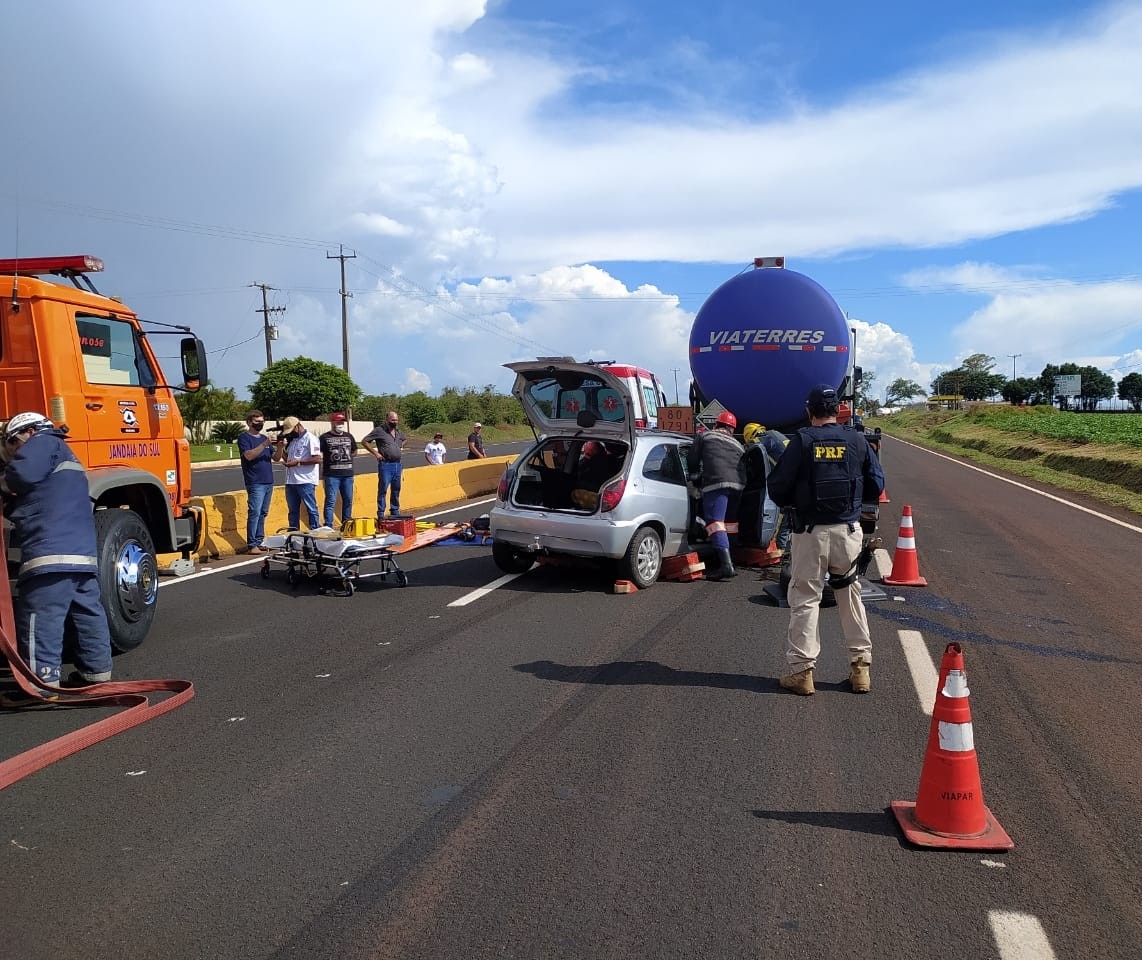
(752, 431)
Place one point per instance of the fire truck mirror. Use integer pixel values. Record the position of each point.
(193, 363)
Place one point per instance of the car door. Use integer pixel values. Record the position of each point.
(663, 482)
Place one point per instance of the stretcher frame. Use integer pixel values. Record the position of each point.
(303, 560)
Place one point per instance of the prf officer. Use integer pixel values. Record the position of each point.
(824, 475)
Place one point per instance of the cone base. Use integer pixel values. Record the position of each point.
(916, 582)
(994, 837)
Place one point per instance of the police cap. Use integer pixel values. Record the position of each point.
(822, 395)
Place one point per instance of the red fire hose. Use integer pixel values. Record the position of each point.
(129, 694)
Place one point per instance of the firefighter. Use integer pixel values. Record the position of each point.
(825, 475)
(715, 461)
(763, 448)
(46, 492)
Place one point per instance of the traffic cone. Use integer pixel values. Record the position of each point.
(949, 812)
(905, 565)
(884, 496)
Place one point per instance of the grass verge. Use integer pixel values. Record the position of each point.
(1108, 471)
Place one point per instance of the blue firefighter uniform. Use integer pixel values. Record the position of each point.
(50, 506)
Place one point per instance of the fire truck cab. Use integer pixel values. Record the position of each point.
(643, 387)
(89, 364)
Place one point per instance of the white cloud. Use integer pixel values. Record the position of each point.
(452, 155)
(415, 380)
(1060, 322)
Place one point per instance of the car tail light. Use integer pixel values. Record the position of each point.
(502, 489)
(611, 494)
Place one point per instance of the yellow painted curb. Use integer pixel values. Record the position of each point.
(421, 488)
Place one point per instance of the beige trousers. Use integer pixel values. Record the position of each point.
(831, 548)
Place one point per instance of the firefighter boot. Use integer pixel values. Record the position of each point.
(800, 683)
(725, 566)
(859, 678)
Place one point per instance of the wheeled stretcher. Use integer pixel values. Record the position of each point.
(306, 556)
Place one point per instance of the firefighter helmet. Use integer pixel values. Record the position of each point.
(26, 421)
(752, 431)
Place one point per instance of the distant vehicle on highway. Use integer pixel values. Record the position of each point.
(596, 483)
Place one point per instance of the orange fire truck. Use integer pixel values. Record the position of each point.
(88, 363)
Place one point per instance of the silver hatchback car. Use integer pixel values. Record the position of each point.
(594, 484)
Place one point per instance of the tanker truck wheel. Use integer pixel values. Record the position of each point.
(128, 575)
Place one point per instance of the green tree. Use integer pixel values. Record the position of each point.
(1130, 389)
(866, 398)
(901, 391)
(1096, 386)
(419, 408)
(978, 363)
(304, 388)
(1020, 390)
(226, 431)
(374, 407)
(206, 405)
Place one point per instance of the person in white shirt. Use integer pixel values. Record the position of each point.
(434, 452)
(300, 451)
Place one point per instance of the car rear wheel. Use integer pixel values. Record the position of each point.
(643, 560)
(509, 559)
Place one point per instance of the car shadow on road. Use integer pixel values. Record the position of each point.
(879, 824)
(635, 672)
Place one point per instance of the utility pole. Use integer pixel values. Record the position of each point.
(345, 295)
(265, 311)
(1013, 357)
(675, 371)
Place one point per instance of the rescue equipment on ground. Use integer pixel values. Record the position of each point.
(905, 563)
(312, 554)
(358, 527)
(949, 811)
(402, 526)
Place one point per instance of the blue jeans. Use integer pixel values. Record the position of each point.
(258, 496)
(43, 607)
(296, 495)
(388, 475)
(333, 486)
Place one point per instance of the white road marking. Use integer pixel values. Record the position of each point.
(994, 864)
(440, 513)
(174, 581)
(1019, 936)
(135, 773)
(484, 591)
(1023, 486)
(924, 674)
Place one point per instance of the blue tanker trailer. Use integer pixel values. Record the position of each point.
(764, 338)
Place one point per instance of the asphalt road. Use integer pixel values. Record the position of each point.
(554, 771)
(211, 480)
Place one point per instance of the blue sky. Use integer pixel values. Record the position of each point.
(521, 178)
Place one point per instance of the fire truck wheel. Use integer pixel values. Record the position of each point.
(128, 575)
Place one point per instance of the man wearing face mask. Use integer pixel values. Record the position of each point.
(256, 451)
(337, 449)
(386, 442)
(299, 450)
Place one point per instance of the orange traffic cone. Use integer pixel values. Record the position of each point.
(884, 496)
(949, 811)
(905, 565)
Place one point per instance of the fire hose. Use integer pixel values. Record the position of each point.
(130, 694)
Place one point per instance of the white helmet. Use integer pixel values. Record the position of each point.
(26, 421)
